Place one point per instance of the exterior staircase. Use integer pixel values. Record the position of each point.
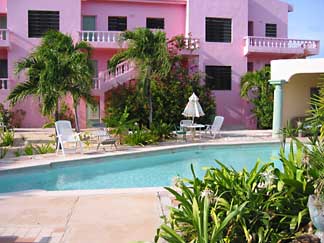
(108, 80)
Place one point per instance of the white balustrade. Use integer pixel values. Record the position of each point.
(95, 83)
(100, 36)
(123, 72)
(266, 42)
(191, 43)
(4, 34)
(4, 83)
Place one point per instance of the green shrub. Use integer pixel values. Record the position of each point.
(44, 148)
(255, 88)
(161, 130)
(29, 149)
(140, 137)
(7, 138)
(261, 205)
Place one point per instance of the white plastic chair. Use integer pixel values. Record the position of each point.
(215, 128)
(104, 137)
(65, 134)
(184, 123)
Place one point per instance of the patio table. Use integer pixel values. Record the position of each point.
(193, 128)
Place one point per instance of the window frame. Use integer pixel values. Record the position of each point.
(95, 21)
(155, 18)
(210, 37)
(269, 34)
(118, 24)
(42, 26)
(210, 81)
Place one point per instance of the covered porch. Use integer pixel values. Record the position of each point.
(295, 82)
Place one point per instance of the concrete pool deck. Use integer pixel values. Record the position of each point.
(112, 216)
(122, 216)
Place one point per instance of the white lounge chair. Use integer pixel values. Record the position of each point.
(65, 134)
(103, 136)
(214, 129)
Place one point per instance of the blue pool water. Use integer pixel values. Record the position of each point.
(141, 170)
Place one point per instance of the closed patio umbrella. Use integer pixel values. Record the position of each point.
(193, 108)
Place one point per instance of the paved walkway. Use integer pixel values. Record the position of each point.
(112, 218)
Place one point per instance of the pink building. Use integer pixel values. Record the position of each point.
(234, 36)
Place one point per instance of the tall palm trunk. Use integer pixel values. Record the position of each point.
(76, 117)
(150, 106)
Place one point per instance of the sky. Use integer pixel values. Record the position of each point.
(307, 21)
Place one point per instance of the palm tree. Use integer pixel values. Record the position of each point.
(148, 50)
(255, 88)
(56, 68)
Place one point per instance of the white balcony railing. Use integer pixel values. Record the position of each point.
(120, 70)
(266, 44)
(124, 72)
(96, 83)
(191, 43)
(4, 83)
(100, 36)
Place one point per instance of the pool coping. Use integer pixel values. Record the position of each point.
(50, 162)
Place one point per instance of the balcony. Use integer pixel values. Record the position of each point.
(4, 38)
(102, 39)
(4, 83)
(281, 47)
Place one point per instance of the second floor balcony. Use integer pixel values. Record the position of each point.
(102, 39)
(111, 39)
(280, 46)
(4, 38)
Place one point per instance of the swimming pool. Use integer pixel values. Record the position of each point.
(150, 169)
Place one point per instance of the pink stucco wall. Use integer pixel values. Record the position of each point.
(179, 19)
(21, 45)
(262, 12)
(136, 13)
(3, 6)
(229, 103)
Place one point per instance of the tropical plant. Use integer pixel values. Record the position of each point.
(120, 124)
(161, 130)
(148, 50)
(56, 68)
(264, 204)
(140, 136)
(255, 88)
(29, 149)
(7, 138)
(44, 148)
(170, 96)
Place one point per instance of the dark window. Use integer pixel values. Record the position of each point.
(3, 22)
(250, 28)
(117, 23)
(219, 77)
(3, 73)
(3, 68)
(250, 67)
(155, 23)
(39, 22)
(218, 30)
(271, 30)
